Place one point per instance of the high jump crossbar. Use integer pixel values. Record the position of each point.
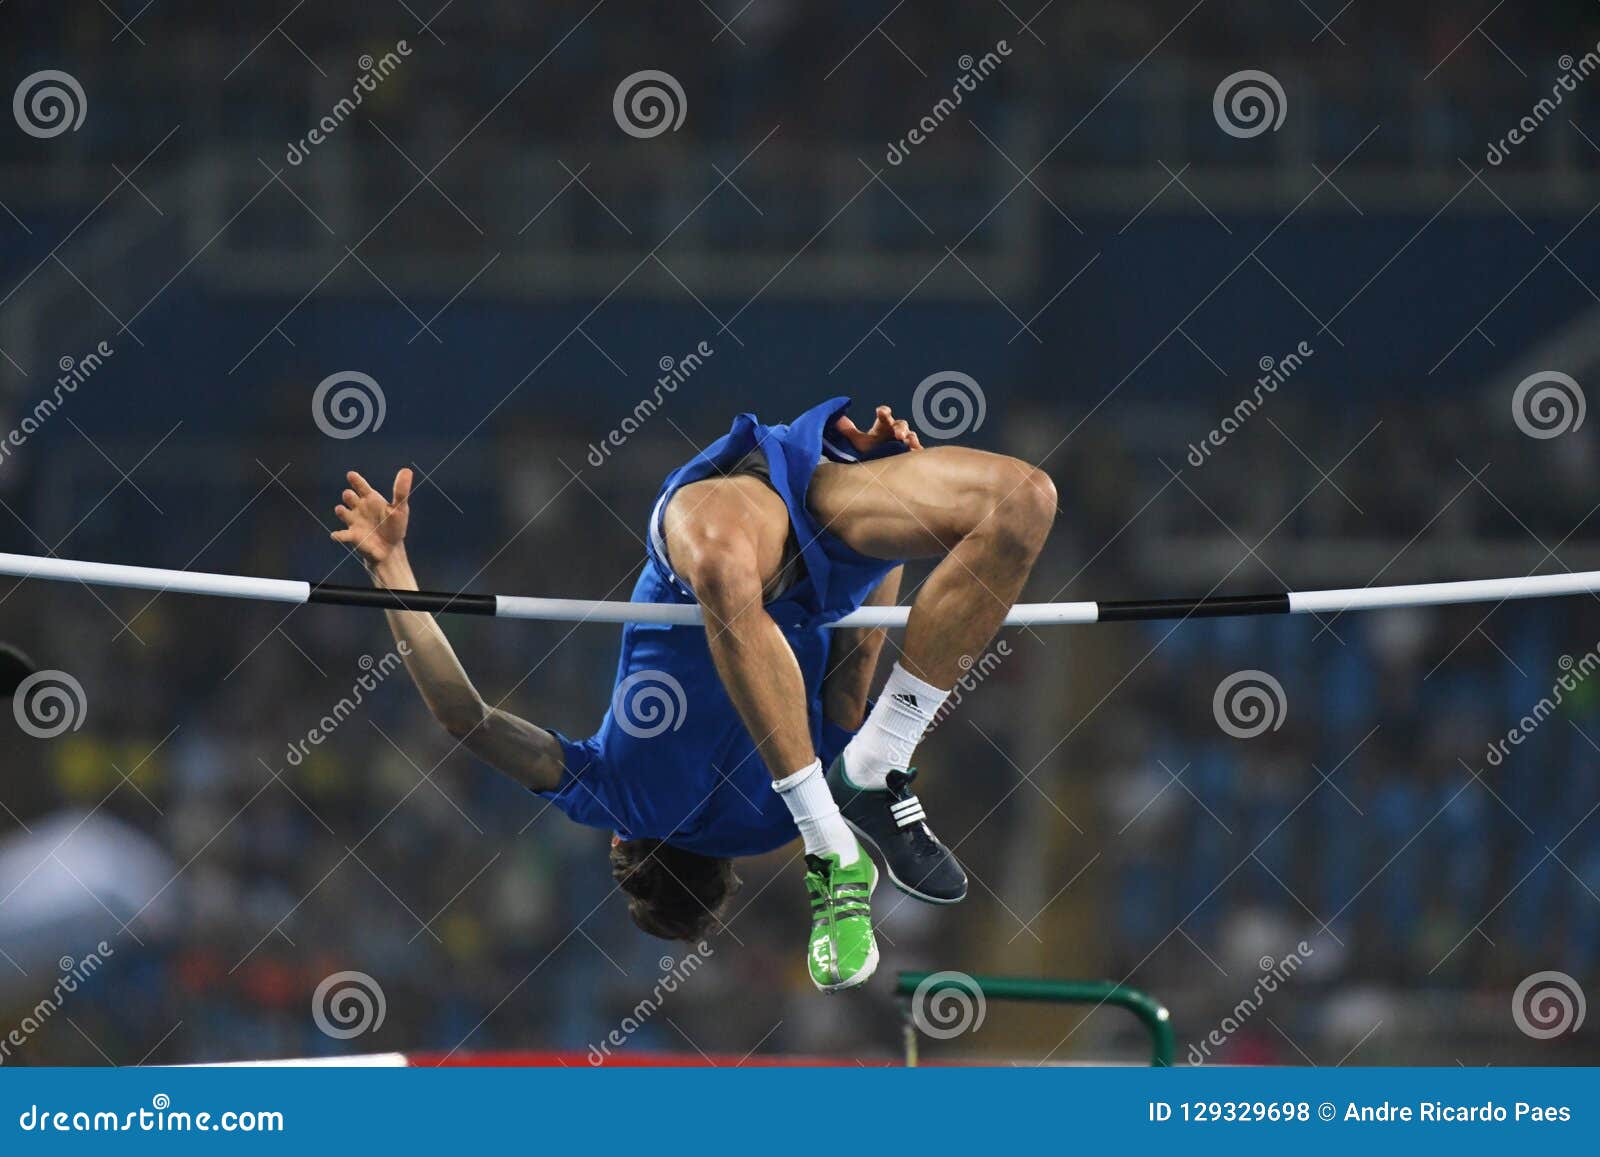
(27, 566)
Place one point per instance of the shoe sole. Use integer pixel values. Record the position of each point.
(867, 969)
(860, 978)
(896, 880)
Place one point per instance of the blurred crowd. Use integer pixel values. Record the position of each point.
(836, 72)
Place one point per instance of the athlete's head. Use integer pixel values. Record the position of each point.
(673, 894)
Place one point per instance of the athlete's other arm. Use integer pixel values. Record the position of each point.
(853, 658)
(375, 527)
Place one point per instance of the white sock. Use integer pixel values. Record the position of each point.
(816, 814)
(891, 733)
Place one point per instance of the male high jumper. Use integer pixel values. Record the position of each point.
(775, 531)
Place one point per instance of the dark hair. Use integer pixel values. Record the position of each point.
(673, 894)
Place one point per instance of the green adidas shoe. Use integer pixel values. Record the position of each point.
(844, 952)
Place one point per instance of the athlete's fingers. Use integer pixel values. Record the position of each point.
(883, 421)
(350, 499)
(348, 535)
(402, 486)
(902, 431)
(913, 441)
(359, 484)
(853, 433)
(344, 514)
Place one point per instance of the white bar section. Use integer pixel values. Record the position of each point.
(1439, 594)
(594, 611)
(367, 1061)
(587, 611)
(154, 579)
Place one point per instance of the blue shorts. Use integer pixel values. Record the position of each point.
(672, 760)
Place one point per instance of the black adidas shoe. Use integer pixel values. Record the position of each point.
(892, 823)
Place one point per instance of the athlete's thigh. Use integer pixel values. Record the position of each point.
(912, 505)
(721, 517)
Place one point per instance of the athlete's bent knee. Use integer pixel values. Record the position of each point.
(720, 568)
(1024, 503)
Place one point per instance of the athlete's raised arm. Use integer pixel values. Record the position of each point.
(852, 659)
(375, 528)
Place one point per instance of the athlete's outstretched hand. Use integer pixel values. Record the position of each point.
(885, 428)
(374, 526)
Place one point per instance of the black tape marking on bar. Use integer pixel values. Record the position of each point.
(432, 601)
(1209, 608)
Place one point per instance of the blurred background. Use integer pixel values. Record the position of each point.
(1279, 342)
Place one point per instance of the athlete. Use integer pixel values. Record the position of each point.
(715, 742)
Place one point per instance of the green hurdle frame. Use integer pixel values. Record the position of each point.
(1150, 1011)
